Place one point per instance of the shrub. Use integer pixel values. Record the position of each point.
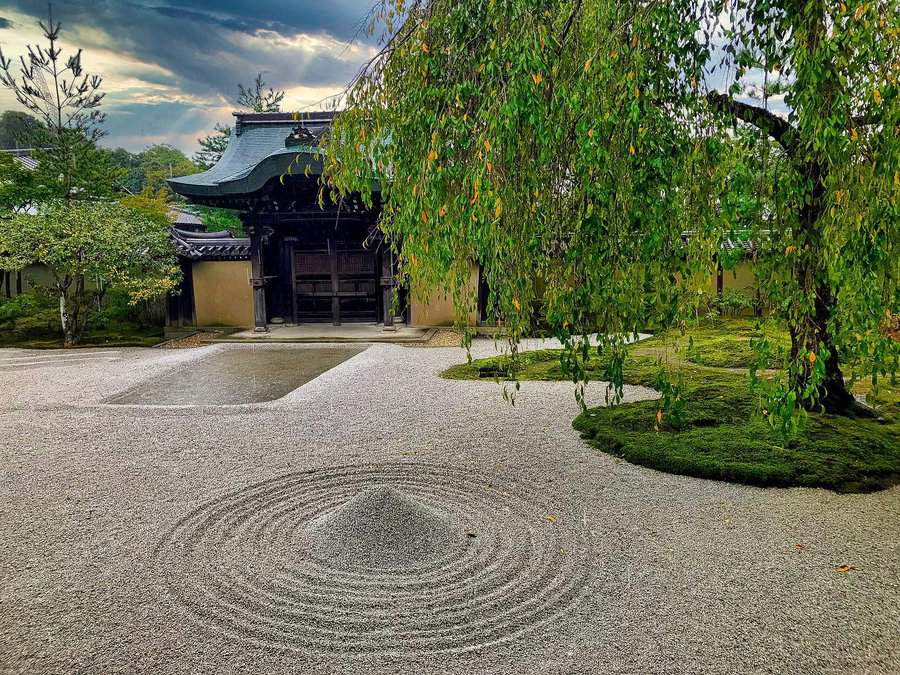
(29, 314)
(16, 307)
(733, 302)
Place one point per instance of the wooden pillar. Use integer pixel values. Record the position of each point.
(720, 279)
(291, 246)
(257, 278)
(335, 284)
(387, 288)
(285, 284)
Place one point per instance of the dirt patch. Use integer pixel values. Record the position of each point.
(443, 337)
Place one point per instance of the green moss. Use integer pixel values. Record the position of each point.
(147, 337)
(726, 343)
(31, 321)
(721, 439)
(721, 436)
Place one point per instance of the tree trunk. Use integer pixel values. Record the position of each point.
(812, 331)
(70, 309)
(807, 339)
(65, 320)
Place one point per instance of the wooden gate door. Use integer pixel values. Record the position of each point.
(338, 284)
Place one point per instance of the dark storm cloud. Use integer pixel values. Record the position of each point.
(182, 59)
(210, 46)
(341, 18)
(199, 17)
(154, 119)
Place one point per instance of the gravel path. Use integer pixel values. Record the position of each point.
(209, 539)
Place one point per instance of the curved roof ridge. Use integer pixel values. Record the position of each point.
(262, 147)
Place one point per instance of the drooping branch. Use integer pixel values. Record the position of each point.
(779, 129)
(569, 22)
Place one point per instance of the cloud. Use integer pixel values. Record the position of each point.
(192, 53)
(5, 23)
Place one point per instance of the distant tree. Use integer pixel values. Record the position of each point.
(216, 219)
(212, 147)
(81, 233)
(148, 170)
(257, 99)
(86, 241)
(66, 100)
(160, 162)
(17, 188)
(130, 164)
(18, 129)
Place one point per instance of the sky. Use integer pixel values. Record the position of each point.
(170, 67)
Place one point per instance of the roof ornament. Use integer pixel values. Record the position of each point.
(300, 135)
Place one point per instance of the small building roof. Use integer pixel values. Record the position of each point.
(185, 220)
(210, 245)
(736, 241)
(22, 156)
(262, 147)
(27, 162)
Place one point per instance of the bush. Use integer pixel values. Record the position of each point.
(733, 302)
(32, 320)
(16, 307)
(27, 315)
(117, 310)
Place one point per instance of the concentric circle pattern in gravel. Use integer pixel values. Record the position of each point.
(202, 538)
(251, 563)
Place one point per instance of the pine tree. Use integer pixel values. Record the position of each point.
(257, 99)
(212, 147)
(80, 233)
(66, 99)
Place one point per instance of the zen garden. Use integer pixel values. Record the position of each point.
(450, 336)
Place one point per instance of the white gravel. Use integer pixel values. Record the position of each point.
(175, 539)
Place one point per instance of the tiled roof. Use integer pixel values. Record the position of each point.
(745, 245)
(736, 241)
(22, 156)
(210, 245)
(185, 220)
(28, 162)
(262, 146)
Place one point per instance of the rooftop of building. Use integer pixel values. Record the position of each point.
(199, 246)
(263, 146)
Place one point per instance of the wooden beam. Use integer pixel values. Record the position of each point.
(335, 284)
(387, 287)
(257, 278)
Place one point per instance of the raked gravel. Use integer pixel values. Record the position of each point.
(196, 539)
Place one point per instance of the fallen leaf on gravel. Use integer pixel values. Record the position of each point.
(844, 568)
(799, 547)
(550, 518)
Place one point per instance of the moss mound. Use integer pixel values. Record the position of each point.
(720, 436)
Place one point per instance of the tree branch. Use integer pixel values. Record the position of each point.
(569, 22)
(780, 130)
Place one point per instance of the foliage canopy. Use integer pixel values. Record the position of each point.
(66, 214)
(592, 157)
